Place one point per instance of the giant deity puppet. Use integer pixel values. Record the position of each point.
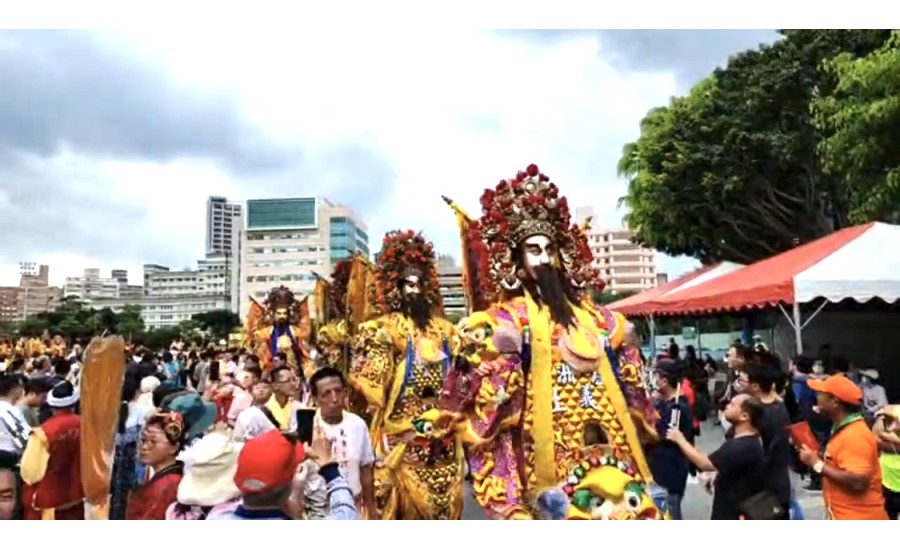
(332, 334)
(549, 394)
(400, 362)
(281, 324)
(342, 303)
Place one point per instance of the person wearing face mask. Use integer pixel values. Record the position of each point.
(874, 396)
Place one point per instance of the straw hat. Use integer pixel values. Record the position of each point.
(210, 465)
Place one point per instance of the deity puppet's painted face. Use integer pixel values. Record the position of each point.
(412, 285)
(281, 315)
(537, 250)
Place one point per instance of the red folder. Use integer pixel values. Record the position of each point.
(802, 435)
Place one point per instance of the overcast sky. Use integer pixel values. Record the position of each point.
(110, 143)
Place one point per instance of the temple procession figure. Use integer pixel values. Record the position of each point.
(332, 334)
(281, 325)
(399, 364)
(335, 325)
(550, 392)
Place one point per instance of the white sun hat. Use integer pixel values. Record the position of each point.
(209, 467)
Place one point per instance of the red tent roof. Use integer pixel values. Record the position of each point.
(635, 305)
(765, 283)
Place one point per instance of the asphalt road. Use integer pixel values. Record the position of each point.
(697, 502)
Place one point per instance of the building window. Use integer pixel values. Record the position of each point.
(276, 213)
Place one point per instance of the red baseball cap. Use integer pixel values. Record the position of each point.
(838, 386)
(266, 462)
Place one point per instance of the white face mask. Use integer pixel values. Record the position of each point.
(818, 369)
(538, 251)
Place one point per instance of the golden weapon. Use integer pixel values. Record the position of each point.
(101, 381)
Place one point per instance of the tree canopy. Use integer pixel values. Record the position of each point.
(732, 170)
(860, 127)
(72, 319)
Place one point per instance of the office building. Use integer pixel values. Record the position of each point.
(624, 265)
(287, 240)
(211, 278)
(223, 224)
(91, 286)
(170, 296)
(33, 295)
(451, 282)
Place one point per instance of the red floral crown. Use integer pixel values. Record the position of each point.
(337, 290)
(401, 253)
(517, 209)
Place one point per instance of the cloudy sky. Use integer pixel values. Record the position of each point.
(111, 142)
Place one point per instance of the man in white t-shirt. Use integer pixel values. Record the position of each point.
(349, 435)
(14, 428)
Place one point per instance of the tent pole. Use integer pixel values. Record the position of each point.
(652, 339)
(798, 329)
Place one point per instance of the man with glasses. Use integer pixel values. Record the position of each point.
(284, 401)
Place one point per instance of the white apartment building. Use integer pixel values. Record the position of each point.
(625, 266)
(287, 240)
(91, 286)
(450, 279)
(211, 278)
(172, 296)
(168, 310)
(223, 223)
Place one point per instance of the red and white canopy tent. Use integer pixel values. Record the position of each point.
(858, 263)
(643, 303)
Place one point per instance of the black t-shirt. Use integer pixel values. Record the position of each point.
(739, 463)
(774, 432)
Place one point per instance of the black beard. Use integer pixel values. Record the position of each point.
(555, 294)
(417, 308)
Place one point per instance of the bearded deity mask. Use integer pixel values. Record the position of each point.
(282, 306)
(525, 223)
(537, 250)
(412, 283)
(406, 273)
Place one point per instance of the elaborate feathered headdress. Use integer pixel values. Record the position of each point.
(523, 207)
(405, 253)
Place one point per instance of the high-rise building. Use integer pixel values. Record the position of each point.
(287, 240)
(450, 279)
(624, 265)
(223, 225)
(33, 295)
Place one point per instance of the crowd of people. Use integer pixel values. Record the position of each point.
(205, 439)
(850, 454)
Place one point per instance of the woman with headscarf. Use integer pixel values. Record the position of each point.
(161, 440)
(207, 485)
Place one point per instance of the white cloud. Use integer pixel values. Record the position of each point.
(453, 112)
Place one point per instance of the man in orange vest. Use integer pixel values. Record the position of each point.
(51, 463)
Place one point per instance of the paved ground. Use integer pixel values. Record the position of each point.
(697, 502)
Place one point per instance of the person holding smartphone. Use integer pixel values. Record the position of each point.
(349, 436)
(267, 469)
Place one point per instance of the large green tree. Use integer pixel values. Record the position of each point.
(219, 322)
(860, 127)
(731, 170)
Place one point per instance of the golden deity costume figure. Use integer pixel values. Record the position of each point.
(399, 365)
(332, 336)
(549, 392)
(281, 325)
